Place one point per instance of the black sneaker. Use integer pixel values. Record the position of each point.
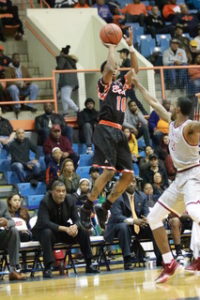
(92, 270)
(85, 218)
(47, 273)
(102, 215)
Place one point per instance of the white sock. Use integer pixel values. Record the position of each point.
(167, 257)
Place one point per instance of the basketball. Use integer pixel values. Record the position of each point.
(111, 34)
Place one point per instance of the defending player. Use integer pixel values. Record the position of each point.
(184, 150)
(111, 147)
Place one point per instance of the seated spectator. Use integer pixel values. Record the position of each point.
(194, 78)
(44, 123)
(158, 185)
(186, 19)
(154, 22)
(68, 82)
(135, 120)
(154, 167)
(163, 154)
(81, 4)
(20, 88)
(197, 37)
(133, 144)
(192, 51)
(80, 196)
(69, 176)
(170, 10)
(135, 12)
(20, 215)
(19, 149)
(10, 17)
(6, 131)
(104, 11)
(10, 241)
(4, 59)
(151, 197)
(87, 119)
(175, 56)
(58, 222)
(158, 127)
(184, 40)
(128, 217)
(54, 166)
(144, 161)
(55, 139)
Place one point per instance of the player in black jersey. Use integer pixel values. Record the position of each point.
(111, 146)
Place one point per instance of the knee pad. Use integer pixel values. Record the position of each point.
(156, 216)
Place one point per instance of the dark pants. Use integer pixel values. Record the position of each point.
(10, 241)
(124, 232)
(47, 238)
(143, 130)
(86, 134)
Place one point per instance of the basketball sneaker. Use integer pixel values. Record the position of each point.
(180, 260)
(194, 266)
(168, 271)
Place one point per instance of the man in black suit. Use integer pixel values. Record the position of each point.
(124, 223)
(58, 222)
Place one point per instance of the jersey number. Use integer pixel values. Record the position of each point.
(121, 103)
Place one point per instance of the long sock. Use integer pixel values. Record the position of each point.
(88, 204)
(167, 257)
(107, 205)
(178, 249)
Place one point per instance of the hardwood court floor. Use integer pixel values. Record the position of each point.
(134, 285)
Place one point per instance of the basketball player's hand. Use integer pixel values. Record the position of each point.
(129, 38)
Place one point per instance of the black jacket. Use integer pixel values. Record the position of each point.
(87, 116)
(48, 216)
(20, 151)
(67, 63)
(5, 127)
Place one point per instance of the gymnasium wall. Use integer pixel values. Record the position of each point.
(78, 28)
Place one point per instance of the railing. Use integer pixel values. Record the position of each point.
(55, 73)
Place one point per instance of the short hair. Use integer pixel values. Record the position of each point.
(185, 105)
(103, 66)
(130, 101)
(57, 183)
(89, 100)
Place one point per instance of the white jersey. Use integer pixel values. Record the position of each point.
(183, 154)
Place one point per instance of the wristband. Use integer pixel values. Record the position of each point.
(131, 48)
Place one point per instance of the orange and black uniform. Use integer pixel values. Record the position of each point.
(111, 145)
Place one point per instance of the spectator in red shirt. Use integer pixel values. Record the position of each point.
(55, 139)
(81, 4)
(170, 10)
(135, 12)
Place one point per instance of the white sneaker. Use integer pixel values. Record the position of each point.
(89, 150)
(180, 259)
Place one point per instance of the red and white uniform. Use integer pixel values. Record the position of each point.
(184, 192)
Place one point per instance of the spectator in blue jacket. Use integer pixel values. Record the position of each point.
(103, 10)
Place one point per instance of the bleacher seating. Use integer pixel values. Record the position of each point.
(83, 172)
(163, 41)
(33, 201)
(146, 45)
(26, 189)
(137, 29)
(85, 160)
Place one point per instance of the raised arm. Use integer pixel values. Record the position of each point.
(129, 40)
(110, 66)
(152, 101)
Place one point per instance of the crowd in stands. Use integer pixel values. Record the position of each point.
(58, 214)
